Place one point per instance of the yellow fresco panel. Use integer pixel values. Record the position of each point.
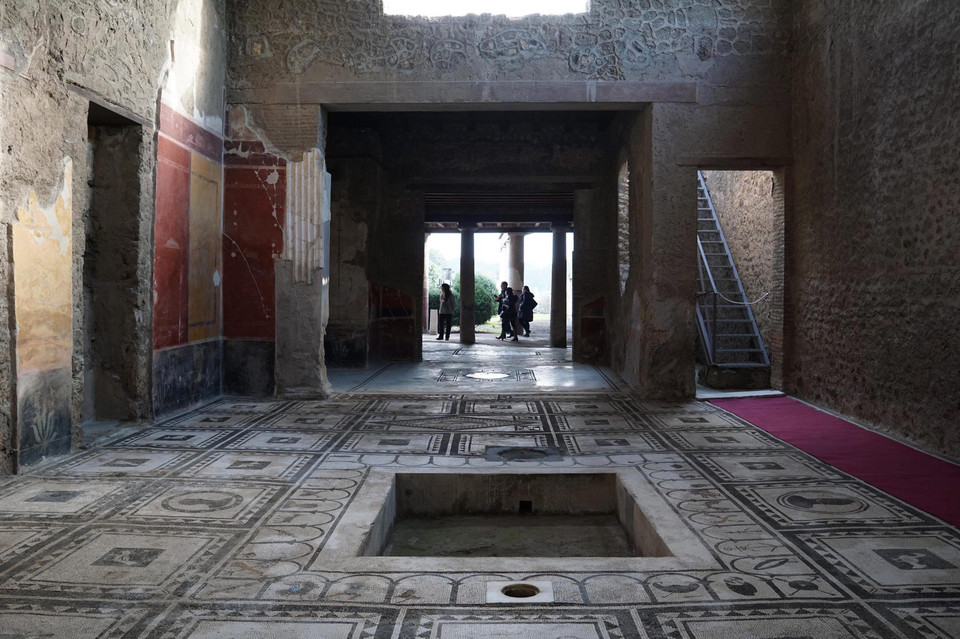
(43, 281)
(203, 310)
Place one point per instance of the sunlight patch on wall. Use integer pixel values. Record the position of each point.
(509, 8)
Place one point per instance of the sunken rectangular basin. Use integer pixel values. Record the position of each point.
(516, 515)
(533, 521)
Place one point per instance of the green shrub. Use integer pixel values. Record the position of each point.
(485, 306)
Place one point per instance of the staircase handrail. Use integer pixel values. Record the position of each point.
(708, 334)
(765, 357)
(705, 266)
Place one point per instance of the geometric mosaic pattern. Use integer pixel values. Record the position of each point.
(213, 523)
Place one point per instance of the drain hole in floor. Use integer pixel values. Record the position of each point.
(520, 591)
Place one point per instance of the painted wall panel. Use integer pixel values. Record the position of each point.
(171, 239)
(43, 312)
(203, 301)
(254, 201)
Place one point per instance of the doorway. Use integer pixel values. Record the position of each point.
(740, 253)
(115, 313)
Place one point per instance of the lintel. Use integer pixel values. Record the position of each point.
(733, 163)
(120, 111)
(470, 96)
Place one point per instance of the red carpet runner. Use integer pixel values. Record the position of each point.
(917, 478)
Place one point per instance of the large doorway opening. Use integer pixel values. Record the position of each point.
(497, 177)
(497, 258)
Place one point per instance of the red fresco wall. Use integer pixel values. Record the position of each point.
(171, 237)
(253, 217)
(187, 156)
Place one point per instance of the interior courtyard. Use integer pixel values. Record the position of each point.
(229, 413)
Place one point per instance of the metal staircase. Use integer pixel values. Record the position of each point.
(729, 336)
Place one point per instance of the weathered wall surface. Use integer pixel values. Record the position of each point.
(873, 254)
(616, 40)
(750, 208)
(55, 57)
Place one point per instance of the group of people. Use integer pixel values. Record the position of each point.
(516, 312)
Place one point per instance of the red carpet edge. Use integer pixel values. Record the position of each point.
(922, 480)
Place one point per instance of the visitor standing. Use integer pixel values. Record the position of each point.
(445, 316)
(500, 299)
(508, 315)
(527, 304)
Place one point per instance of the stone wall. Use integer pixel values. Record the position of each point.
(750, 209)
(873, 267)
(55, 59)
(658, 40)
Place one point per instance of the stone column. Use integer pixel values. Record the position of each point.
(467, 286)
(302, 281)
(558, 288)
(515, 261)
(426, 286)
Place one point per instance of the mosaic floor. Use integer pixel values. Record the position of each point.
(217, 523)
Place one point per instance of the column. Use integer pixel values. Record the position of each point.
(468, 299)
(301, 276)
(426, 286)
(558, 288)
(515, 261)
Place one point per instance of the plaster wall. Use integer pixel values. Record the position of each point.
(873, 263)
(750, 209)
(54, 59)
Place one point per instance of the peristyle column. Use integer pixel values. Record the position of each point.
(426, 285)
(515, 261)
(558, 288)
(467, 285)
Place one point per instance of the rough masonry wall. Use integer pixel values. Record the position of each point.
(874, 249)
(54, 57)
(331, 40)
(750, 208)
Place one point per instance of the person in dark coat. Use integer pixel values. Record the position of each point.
(527, 304)
(508, 314)
(448, 304)
(499, 298)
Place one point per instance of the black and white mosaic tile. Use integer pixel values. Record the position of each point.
(215, 523)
